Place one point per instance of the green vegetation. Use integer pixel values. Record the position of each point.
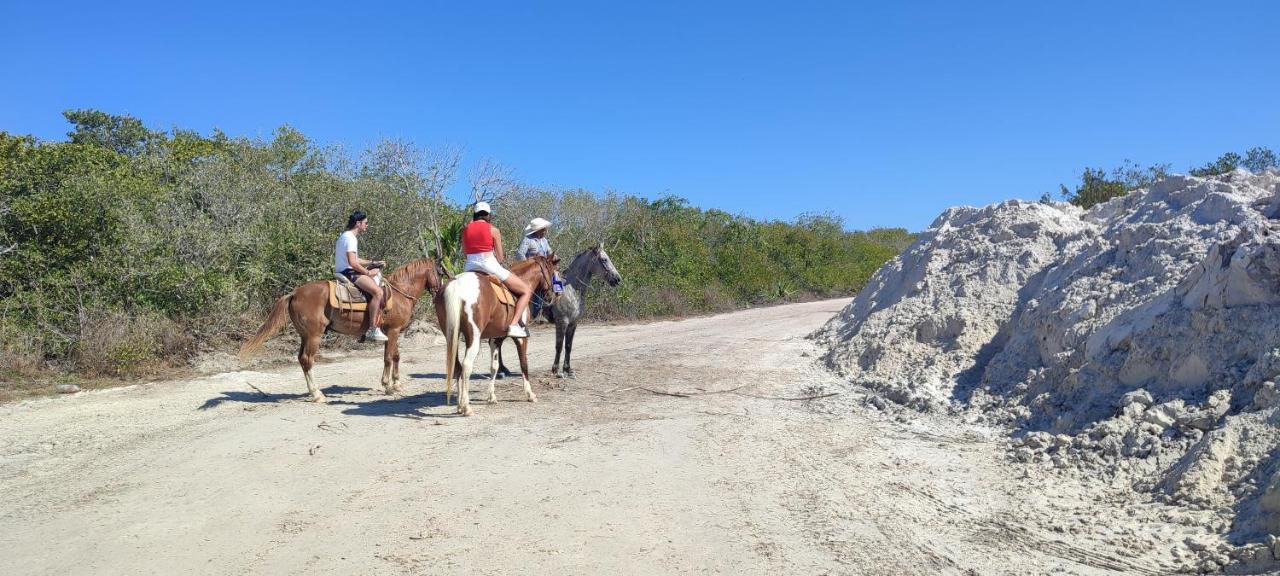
(1097, 185)
(125, 249)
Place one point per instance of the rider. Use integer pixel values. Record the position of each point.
(356, 269)
(533, 244)
(482, 243)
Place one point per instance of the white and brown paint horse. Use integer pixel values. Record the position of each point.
(308, 307)
(469, 312)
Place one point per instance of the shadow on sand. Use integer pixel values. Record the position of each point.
(403, 407)
(263, 398)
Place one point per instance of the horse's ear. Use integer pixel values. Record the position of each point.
(600, 246)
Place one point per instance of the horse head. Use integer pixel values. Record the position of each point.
(611, 274)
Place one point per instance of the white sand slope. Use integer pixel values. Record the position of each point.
(1137, 341)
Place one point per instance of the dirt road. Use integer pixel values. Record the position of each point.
(601, 476)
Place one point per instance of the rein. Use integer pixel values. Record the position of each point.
(401, 292)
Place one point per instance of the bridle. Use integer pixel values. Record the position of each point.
(398, 290)
(546, 274)
(571, 278)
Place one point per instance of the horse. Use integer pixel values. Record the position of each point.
(468, 309)
(568, 307)
(308, 307)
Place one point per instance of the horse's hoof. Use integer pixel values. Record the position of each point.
(532, 398)
(466, 412)
(319, 399)
(493, 400)
(558, 374)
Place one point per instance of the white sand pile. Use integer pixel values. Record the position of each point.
(1141, 337)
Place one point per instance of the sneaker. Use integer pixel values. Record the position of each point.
(376, 335)
(517, 331)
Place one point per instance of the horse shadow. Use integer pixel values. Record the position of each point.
(264, 398)
(439, 376)
(402, 407)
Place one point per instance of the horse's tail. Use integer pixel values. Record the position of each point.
(279, 313)
(452, 328)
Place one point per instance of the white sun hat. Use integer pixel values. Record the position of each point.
(535, 225)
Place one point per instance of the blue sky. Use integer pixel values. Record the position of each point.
(883, 113)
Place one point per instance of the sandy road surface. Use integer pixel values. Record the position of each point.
(599, 477)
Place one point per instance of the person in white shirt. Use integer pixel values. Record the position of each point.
(356, 269)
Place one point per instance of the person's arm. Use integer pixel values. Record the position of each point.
(497, 242)
(357, 263)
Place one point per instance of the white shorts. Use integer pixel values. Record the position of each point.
(485, 262)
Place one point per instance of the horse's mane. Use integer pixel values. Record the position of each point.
(526, 263)
(421, 266)
(573, 264)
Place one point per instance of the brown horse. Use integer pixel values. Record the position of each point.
(467, 307)
(308, 307)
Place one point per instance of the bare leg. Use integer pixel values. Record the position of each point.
(374, 314)
(521, 289)
(307, 359)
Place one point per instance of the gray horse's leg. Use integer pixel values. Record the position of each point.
(568, 347)
(555, 367)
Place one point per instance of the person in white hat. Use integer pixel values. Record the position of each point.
(482, 243)
(533, 244)
(535, 241)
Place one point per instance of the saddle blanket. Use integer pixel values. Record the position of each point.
(345, 295)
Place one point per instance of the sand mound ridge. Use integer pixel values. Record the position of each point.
(1140, 337)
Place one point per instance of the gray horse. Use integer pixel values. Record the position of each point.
(567, 309)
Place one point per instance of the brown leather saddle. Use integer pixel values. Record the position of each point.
(344, 295)
(500, 291)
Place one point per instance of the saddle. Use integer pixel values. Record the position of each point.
(344, 294)
(500, 291)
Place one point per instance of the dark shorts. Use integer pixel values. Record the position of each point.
(350, 274)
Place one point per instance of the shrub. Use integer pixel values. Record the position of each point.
(124, 248)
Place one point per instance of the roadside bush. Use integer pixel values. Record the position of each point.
(113, 343)
(125, 249)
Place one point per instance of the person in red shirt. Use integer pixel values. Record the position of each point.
(482, 243)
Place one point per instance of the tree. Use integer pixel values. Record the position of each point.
(1095, 188)
(123, 134)
(1225, 163)
(1258, 159)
